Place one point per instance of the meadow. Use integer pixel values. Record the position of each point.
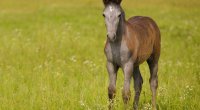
(52, 58)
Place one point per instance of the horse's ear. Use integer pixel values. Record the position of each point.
(118, 1)
(106, 2)
(113, 1)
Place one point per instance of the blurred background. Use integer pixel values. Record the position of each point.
(51, 55)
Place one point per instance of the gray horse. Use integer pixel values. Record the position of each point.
(130, 43)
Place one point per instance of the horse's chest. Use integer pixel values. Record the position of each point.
(117, 53)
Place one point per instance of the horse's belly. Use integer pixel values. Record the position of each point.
(143, 55)
(140, 59)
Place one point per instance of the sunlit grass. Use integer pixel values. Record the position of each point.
(51, 55)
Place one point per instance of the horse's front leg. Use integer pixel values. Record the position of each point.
(128, 71)
(112, 71)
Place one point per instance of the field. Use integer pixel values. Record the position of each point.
(51, 55)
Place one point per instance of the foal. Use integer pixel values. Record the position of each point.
(130, 43)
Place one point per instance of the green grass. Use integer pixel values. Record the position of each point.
(51, 55)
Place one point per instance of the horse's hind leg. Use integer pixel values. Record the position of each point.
(153, 66)
(137, 86)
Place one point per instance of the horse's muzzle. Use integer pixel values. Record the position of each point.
(111, 37)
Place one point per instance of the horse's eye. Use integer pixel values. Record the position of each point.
(103, 15)
(119, 15)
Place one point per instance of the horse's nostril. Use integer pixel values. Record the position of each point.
(114, 37)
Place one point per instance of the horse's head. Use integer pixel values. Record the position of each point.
(112, 15)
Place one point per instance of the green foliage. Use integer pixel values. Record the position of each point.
(51, 55)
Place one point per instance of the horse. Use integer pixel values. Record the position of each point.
(129, 43)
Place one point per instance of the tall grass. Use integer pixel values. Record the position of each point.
(51, 55)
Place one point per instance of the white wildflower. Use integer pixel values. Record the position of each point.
(73, 59)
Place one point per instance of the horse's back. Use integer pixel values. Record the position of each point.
(144, 25)
(148, 35)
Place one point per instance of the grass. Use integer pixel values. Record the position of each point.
(51, 55)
